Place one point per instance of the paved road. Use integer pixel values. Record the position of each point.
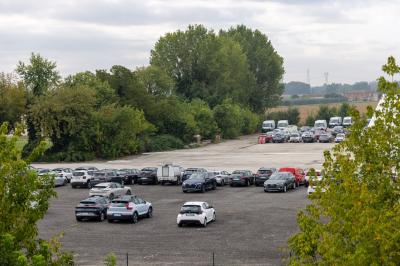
(229, 155)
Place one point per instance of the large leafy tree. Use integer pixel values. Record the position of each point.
(356, 221)
(24, 200)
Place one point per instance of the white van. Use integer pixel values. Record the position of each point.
(267, 125)
(347, 121)
(169, 173)
(321, 124)
(335, 121)
(282, 124)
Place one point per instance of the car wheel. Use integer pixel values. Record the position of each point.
(101, 217)
(150, 213)
(284, 189)
(111, 196)
(128, 192)
(203, 189)
(205, 222)
(135, 217)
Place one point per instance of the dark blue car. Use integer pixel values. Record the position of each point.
(200, 181)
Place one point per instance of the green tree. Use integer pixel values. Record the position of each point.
(24, 200)
(355, 221)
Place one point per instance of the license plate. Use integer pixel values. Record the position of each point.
(117, 214)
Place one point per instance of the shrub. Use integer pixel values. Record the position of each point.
(164, 143)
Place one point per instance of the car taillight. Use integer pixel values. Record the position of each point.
(128, 207)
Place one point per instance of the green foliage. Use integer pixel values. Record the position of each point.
(24, 200)
(356, 220)
(110, 260)
(164, 143)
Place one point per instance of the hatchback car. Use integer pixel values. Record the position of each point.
(196, 212)
(280, 182)
(92, 208)
(129, 208)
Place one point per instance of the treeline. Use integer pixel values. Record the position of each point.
(198, 83)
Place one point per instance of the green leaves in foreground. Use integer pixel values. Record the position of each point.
(356, 221)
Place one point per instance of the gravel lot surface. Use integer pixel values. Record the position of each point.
(252, 227)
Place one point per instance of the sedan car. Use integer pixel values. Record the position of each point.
(263, 174)
(196, 212)
(110, 190)
(92, 208)
(280, 182)
(222, 177)
(129, 208)
(199, 182)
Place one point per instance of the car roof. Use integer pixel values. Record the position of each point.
(199, 203)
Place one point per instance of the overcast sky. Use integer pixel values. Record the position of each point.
(350, 39)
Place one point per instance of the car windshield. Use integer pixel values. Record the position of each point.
(78, 173)
(277, 176)
(197, 176)
(190, 209)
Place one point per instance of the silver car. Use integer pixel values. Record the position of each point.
(129, 208)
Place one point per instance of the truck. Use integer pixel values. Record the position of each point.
(321, 124)
(282, 124)
(347, 121)
(170, 173)
(267, 125)
(335, 121)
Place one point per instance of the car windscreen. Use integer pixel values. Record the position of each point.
(190, 209)
(278, 176)
(197, 176)
(78, 173)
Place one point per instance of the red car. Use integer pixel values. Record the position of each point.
(298, 173)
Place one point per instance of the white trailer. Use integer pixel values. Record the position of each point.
(169, 173)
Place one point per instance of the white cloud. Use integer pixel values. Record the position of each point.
(348, 39)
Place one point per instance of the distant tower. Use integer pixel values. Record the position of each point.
(326, 74)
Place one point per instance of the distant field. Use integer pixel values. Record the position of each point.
(306, 110)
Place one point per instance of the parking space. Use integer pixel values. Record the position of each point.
(252, 226)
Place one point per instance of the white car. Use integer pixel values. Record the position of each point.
(222, 177)
(196, 212)
(340, 137)
(110, 190)
(64, 172)
(313, 186)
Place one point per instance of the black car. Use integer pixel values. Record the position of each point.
(241, 178)
(148, 175)
(92, 208)
(200, 181)
(263, 174)
(189, 171)
(280, 181)
(103, 176)
(129, 176)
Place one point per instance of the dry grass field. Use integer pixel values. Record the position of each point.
(306, 110)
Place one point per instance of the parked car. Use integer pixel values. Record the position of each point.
(189, 171)
(280, 182)
(242, 178)
(279, 137)
(298, 174)
(309, 173)
(129, 176)
(92, 208)
(148, 175)
(87, 168)
(295, 137)
(169, 173)
(110, 190)
(81, 178)
(129, 208)
(325, 137)
(103, 176)
(263, 174)
(340, 137)
(196, 212)
(308, 137)
(222, 177)
(65, 172)
(200, 181)
(314, 182)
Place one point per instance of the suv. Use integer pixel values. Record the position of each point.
(92, 208)
(200, 181)
(262, 175)
(242, 177)
(81, 178)
(298, 173)
(189, 171)
(129, 208)
(148, 175)
(103, 176)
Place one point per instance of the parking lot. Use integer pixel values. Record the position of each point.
(252, 226)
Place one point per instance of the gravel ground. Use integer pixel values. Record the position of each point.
(252, 227)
